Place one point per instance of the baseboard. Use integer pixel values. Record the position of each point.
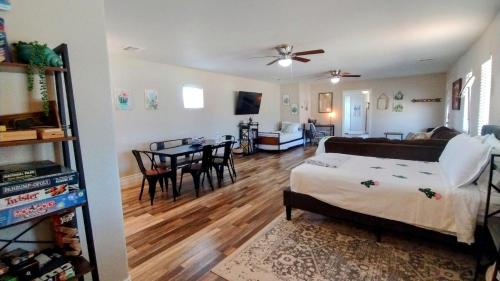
(128, 278)
(131, 180)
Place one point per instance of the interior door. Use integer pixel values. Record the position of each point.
(354, 113)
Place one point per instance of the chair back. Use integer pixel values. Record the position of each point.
(159, 145)
(138, 157)
(313, 129)
(206, 158)
(227, 151)
(229, 138)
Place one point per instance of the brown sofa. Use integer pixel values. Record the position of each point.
(421, 150)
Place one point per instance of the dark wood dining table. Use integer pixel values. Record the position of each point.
(182, 150)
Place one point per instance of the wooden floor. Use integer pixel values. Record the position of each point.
(185, 239)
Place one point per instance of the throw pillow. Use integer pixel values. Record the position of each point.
(463, 159)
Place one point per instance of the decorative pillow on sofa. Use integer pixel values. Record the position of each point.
(289, 127)
(463, 159)
(444, 133)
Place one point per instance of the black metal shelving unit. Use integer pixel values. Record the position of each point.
(249, 133)
(70, 153)
(491, 223)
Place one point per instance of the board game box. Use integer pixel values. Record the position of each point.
(16, 172)
(41, 207)
(33, 196)
(66, 176)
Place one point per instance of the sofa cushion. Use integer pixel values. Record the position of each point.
(444, 133)
(463, 159)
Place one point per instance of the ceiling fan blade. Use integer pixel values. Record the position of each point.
(301, 59)
(274, 61)
(351, 75)
(311, 52)
(263, 57)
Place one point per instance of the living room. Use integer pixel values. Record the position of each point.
(267, 86)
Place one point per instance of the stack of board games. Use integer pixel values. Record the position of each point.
(30, 190)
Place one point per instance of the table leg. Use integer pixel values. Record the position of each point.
(173, 166)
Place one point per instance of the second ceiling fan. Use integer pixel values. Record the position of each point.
(286, 56)
(336, 75)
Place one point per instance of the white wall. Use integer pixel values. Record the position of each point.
(487, 45)
(416, 117)
(80, 24)
(138, 127)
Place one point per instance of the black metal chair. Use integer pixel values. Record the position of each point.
(231, 155)
(153, 175)
(165, 161)
(197, 170)
(220, 162)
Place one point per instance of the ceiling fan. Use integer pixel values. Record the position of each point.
(286, 56)
(336, 75)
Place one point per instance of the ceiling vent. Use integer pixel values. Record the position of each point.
(131, 49)
(425, 60)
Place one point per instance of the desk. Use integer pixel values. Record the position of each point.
(330, 129)
(394, 134)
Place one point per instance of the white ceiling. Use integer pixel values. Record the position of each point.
(375, 38)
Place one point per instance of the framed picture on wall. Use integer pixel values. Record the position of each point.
(325, 102)
(123, 99)
(286, 100)
(456, 99)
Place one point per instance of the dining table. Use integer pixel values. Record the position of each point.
(182, 150)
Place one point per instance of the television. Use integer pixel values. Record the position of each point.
(248, 103)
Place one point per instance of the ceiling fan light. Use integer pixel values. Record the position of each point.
(285, 62)
(335, 80)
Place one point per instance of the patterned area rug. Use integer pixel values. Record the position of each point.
(314, 248)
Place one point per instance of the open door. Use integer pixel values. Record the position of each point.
(355, 115)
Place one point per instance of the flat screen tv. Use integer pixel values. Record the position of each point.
(248, 103)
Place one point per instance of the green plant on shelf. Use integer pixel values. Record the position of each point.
(38, 57)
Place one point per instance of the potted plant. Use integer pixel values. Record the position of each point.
(38, 57)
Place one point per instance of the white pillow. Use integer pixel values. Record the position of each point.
(492, 141)
(463, 159)
(289, 127)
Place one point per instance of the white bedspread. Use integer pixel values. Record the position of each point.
(413, 192)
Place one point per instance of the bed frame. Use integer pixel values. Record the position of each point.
(295, 200)
(275, 139)
(378, 225)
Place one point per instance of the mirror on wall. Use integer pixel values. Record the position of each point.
(325, 102)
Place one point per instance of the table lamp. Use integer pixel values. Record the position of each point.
(332, 115)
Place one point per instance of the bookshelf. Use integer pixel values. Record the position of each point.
(71, 157)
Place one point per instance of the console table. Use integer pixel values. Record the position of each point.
(329, 129)
(399, 134)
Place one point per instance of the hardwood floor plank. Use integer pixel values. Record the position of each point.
(183, 240)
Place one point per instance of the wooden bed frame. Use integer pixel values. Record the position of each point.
(308, 203)
(275, 139)
(295, 200)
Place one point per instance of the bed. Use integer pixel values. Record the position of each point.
(290, 135)
(426, 197)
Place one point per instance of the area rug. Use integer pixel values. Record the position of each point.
(313, 248)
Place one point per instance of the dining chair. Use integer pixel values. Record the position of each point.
(231, 155)
(197, 170)
(220, 162)
(165, 161)
(153, 175)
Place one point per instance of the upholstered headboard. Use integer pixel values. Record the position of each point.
(491, 129)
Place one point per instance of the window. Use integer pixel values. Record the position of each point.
(466, 95)
(192, 97)
(484, 96)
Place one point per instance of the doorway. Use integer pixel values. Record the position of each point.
(355, 120)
